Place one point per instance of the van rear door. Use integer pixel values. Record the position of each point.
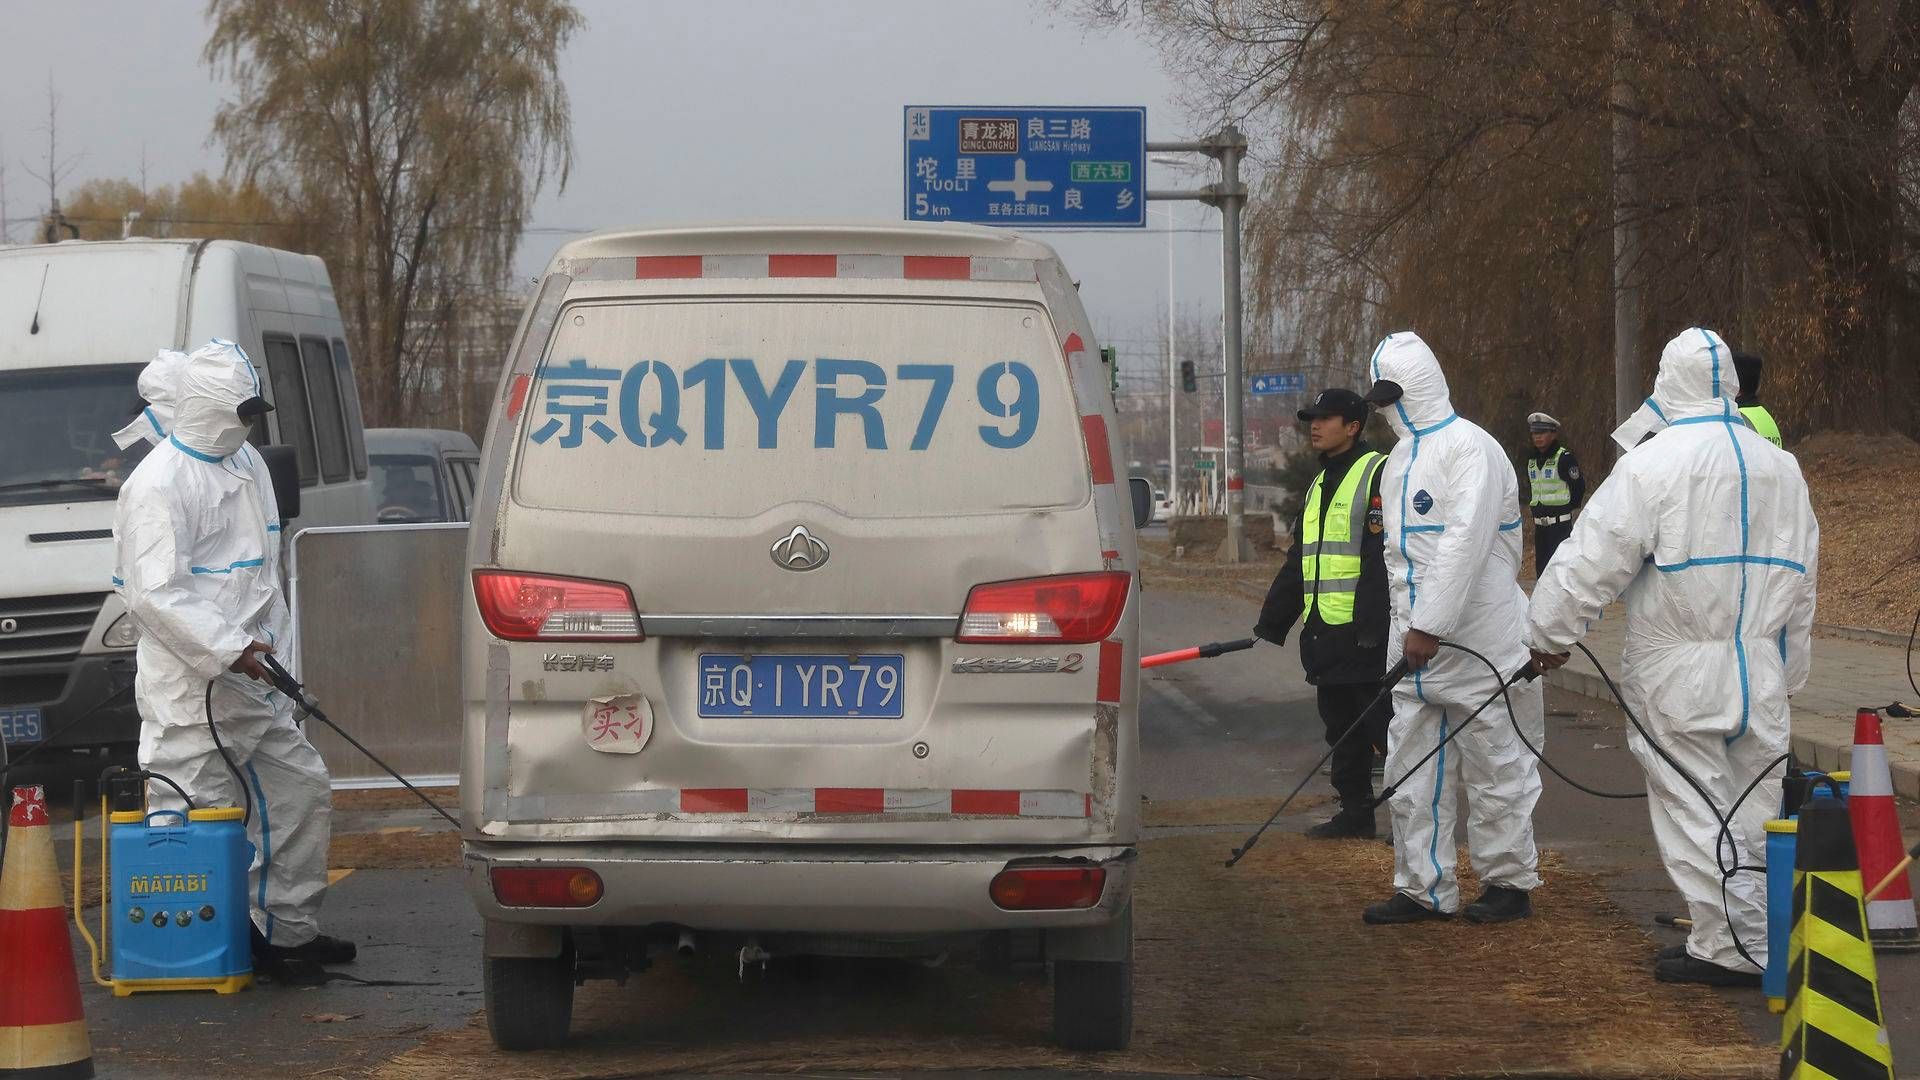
(800, 485)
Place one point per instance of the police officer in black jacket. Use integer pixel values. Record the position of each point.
(1335, 584)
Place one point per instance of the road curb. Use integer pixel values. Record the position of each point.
(1818, 750)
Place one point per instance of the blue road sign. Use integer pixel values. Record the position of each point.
(1279, 382)
(1033, 168)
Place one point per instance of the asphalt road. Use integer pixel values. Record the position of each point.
(1239, 725)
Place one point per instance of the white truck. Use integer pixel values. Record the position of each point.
(78, 320)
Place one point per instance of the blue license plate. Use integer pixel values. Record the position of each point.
(21, 725)
(786, 686)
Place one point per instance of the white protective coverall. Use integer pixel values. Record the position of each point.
(1451, 507)
(198, 534)
(1707, 530)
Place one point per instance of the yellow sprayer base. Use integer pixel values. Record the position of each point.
(1776, 1005)
(231, 984)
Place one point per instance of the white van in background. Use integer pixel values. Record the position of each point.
(78, 321)
(422, 475)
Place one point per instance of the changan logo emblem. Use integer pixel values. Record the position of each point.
(800, 551)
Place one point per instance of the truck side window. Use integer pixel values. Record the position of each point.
(290, 405)
(462, 470)
(350, 401)
(329, 422)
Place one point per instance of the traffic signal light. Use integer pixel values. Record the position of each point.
(1188, 381)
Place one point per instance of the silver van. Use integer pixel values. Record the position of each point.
(422, 475)
(803, 618)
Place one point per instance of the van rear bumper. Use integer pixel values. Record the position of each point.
(767, 888)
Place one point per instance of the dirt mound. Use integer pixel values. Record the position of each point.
(1862, 489)
(1262, 970)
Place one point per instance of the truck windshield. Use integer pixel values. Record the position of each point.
(56, 433)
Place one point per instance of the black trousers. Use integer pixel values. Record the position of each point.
(1545, 539)
(1352, 759)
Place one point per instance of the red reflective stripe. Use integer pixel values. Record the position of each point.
(1111, 656)
(38, 986)
(1099, 457)
(828, 800)
(713, 800)
(937, 267)
(1236, 484)
(666, 266)
(29, 806)
(1072, 345)
(1109, 554)
(802, 266)
(993, 803)
(517, 400)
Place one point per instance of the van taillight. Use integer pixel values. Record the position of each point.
(546, 886)
(538, 607)
(1066, 609)
(1047, 888)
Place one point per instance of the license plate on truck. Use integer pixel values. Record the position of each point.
(20, 725)
(782, 686)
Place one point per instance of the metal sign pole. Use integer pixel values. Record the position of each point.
(1227, 147)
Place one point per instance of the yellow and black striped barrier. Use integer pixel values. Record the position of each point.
(1832, 1028)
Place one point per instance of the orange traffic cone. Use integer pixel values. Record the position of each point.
(43, 1033)
(1876, 833)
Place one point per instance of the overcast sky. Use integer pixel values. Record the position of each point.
(681, 112)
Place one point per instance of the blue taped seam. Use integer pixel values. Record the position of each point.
(1729, 560)
(190, 451)
(1655, 406)
(273, 526)
(1740, 613)
(1426, 528)
(1451, 417)
(1511, 525)
(230, 568)
(117, 580)
(153, 421)
(1433, 842)
(266, 845)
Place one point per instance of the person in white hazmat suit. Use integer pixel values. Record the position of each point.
(1707, 530)
(198, 535)
(1451, 510)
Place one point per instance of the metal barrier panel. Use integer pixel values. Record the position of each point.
(376, 611)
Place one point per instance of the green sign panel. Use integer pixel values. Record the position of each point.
(1102, 172)
(1203, 463)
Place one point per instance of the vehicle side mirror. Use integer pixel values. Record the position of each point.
(284, 466)
(1142, 491)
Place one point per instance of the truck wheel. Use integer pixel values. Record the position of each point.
(529, 999)
(1093, 1003)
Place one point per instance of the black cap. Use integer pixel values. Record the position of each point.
(252, 407)
(1385, 392)
(1336, 401)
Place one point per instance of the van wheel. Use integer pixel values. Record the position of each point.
(1093, 1003)
(529, 999)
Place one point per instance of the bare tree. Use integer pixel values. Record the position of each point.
(423, 129)
(57, 168)
(1447, 166)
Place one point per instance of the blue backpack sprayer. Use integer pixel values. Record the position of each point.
(174, 912)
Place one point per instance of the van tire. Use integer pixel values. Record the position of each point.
(1093, 1003)
(529, 999)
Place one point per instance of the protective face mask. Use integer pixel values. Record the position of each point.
(230, 438)
(1645, 421)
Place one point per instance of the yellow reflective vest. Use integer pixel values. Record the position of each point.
(1330, 542)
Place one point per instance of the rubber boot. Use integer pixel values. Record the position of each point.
(1499, 904)
(1400, 908)
(1348, 824)
(1691, 969)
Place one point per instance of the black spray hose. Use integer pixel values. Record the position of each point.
(1386, 687)
(246, 793)
(1525, 674)
(288, 685)
(1722, 840)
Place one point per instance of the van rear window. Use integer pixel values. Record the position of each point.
(728, 408)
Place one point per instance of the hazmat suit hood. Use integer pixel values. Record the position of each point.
(213, 382)
(1403, 359)
(1696, 378)
(159, 387)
